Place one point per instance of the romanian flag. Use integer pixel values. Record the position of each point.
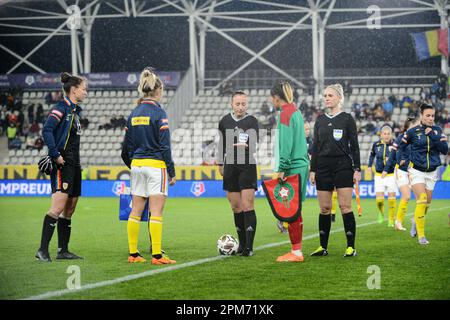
(444, 41)
(426, 44)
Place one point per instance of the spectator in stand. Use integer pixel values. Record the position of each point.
(84, 122)
(10, 102)
(442, 118)
(296, 95)
(393, 99)
(34, 129)
(30, 111)
(12, 118)
(29, 142)
(121, 122)
(11, 133)
(406, 102)
(378, 112)
(57, 96)
(267, 119)
(303, 107)
(356, 109)
(366, 110)
(413, 110)
(435, 91)
(20, 122)
(388, 107)
(113, 122)
(369, 128)
(442, 80)
(3, 120)
(439, 105)
(425, 93)
(39, 143)
(396, 129)
(3, 99)
(49, 99)
(104, 123)
(40, 113)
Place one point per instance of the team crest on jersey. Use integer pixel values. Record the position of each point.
(337, 134)
(65, 185)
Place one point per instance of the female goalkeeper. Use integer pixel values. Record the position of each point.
(61, 133)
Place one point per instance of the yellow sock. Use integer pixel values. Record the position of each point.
(401, 212)
(380, 205)
(133, 233)
(419, 214)
(155, 226)
(333, 202)
(392, 206)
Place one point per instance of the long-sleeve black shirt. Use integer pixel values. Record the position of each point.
(335, 136)
(232, 131)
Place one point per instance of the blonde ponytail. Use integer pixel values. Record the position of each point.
(148, 83)
(288, 93)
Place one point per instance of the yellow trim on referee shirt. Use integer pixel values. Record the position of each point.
(387, 175)
(148, 163)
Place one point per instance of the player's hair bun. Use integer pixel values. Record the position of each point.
(65, 77)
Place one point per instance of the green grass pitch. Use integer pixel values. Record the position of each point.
(191, 228)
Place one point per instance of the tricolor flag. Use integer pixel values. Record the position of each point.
(431, 43)
(426, 44)
(444, 41)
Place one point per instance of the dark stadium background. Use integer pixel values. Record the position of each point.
(128, 44)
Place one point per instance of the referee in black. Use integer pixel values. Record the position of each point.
(335, 163)
(238, 133)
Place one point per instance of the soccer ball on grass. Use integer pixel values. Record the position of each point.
(227, 245)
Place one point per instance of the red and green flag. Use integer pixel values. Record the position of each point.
(284, 197)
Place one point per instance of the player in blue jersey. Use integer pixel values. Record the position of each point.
(427, 143)
(400, 167)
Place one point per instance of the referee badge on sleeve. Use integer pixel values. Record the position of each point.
(337, 134)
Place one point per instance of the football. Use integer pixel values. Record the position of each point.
(227, 245)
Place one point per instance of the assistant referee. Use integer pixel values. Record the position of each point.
(335, 163)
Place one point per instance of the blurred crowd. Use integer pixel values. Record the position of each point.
(22, 124)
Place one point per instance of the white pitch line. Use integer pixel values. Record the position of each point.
(149, 273)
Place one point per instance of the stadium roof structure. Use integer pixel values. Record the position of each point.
(279, 18)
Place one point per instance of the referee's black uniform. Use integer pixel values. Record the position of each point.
(240, 170)
(335, 157)
(239, 162)
(335, 151)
